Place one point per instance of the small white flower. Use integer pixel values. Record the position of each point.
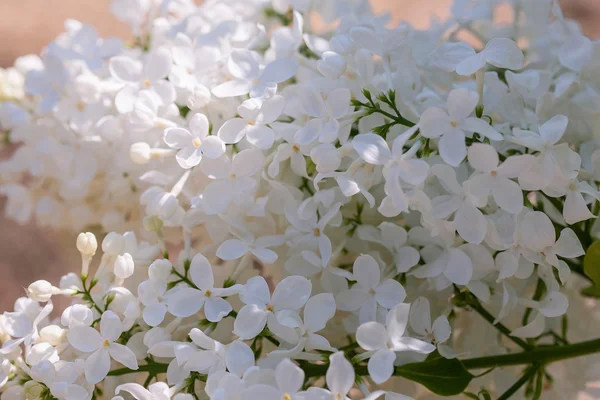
(102, 347)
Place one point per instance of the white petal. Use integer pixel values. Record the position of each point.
(97, 366)
(232, 249)
(389, 293)
(537, 231)
(212, 147)
(318, 310)
(507, 263)
(568, 244)
(452, 147)
(406, 258)
(216, 309)
(420, 316)
(154, 314)
(503, 53)
(553, 129)
(461, 103)
(158, 64)
(292, 293)
(199, 125)
(340, 374)
(185, 302)
(372, 336)
(233, 131)
(366, 272)
(178, 138)
(434, 122)
(260, 136)
(247, 162)
(85, 339)
(351, 300)
(381, 366)
(481, 127)
(575, 208)
(256, 291)
(459, 268)
(448, 55)
(232, 88)
(372, 148)
(508, 195)
(244, 64)
(531, 330)
(470, 65)
(441, 329)
(338, 102)
(470, 223)
(137, 391)
(238, 357)
(125, 68)
(260, 391)
(279, 70)
(250, 321)
(554, 305)
(110, 326)
(412, 344)
(188, 157)
(124, 355)
(289, 377)
(396, 321)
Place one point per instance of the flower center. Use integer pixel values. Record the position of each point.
(208, 293)
(454, 124)
(338, 396)
(317, 232)
(251, 123)
(106, 343)
(80, 106)
(493, 173)
(147, 83)
(286, 397)
(197, 142)
(270, 308)
(296, 148)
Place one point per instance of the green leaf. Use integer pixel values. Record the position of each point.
(442, 376)
(591, 262)
(592, 291)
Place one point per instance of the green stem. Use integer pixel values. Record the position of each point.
(185, 279)
(477, 307)
(518, 384)
(539, 355)
(153, 369)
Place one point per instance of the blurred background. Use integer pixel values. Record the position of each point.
(26, 26)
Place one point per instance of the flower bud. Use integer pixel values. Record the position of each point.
(33, 390)
(40, 291)
(113, 243)
(160, 269)
(87, 244)
(342, 44)
(152, 223)
(52, 334)
(140, 153)
(332, 65)
(124, 266)
(199, 97)
(77, 315)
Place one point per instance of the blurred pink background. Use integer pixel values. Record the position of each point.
(26, 26)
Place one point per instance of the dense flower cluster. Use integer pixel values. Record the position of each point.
(345, 199)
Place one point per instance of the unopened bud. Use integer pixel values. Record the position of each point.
(124, 266)
(140, 153)
(33, 390)
(160, 269)
(113, 243)
(332, 65)
(153, 224)
(87, 244)
(52, 334)
(41, 291)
